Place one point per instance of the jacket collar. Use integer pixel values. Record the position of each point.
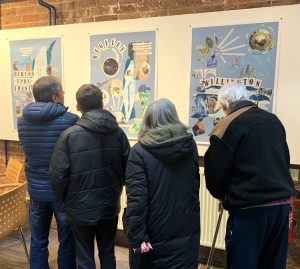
(240, 104)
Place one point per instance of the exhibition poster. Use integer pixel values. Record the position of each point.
(30, 60)
(244, 54)
(123, 67)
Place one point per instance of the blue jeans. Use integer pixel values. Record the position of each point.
(40, 216)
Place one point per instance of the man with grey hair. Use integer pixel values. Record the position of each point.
(247, 168)
(87, 172)
(39, 127)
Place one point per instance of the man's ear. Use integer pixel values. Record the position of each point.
(78, 107)
(55, 98)
(225, 109)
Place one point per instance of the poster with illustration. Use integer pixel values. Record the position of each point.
(244, 54)
(123, 67)
(30, 60)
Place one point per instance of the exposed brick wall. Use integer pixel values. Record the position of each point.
(27, 13)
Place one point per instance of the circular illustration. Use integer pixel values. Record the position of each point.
(110, 66)
(260, 41)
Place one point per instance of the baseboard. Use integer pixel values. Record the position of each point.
(219, 258)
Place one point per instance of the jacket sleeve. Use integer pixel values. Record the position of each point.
(137, 200)
(125, 154)
(218, 161)
(59, 168)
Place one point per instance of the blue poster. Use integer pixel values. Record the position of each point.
(244, 54)
(30, 60)
(123, 67)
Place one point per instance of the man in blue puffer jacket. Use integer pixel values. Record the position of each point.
(38, 128)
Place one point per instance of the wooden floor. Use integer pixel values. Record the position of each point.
(12, 255)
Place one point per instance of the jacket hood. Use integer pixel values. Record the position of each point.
(42, 112)
(170, 143)
(99, 121)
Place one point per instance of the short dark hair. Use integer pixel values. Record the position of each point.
(89, 97)
(45, 87)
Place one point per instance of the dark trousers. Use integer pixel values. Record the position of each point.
(105, 233)
(40, 216)
(257, 238)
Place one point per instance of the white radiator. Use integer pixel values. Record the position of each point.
(208, 216)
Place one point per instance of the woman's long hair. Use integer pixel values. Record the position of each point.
(159, 113)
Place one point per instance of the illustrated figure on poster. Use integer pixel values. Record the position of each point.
(212, 104)
(212, 61)
(129, 86)
(42, 62)
(198, 127)
(144, 92)
(136, 69)
(205, 105)
(144, 95)
(143, 70)
(141, 60)
(199, 107)
(116, 93)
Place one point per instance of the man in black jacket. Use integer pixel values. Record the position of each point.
(247, 168)
(87, 173)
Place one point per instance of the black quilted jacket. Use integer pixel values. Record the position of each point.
(87, 169)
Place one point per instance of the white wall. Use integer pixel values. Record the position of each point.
(173, 60)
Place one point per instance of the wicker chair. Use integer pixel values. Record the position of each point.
(13, 208)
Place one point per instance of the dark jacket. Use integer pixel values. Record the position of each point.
(247, 162)
(39, 128)
(87, 169)
(162, 185)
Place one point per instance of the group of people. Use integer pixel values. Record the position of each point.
(76, 169)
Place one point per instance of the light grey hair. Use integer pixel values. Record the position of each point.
(159, 113)
(230, 93)
(45, 87)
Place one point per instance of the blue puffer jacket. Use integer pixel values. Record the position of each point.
(39, 128)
